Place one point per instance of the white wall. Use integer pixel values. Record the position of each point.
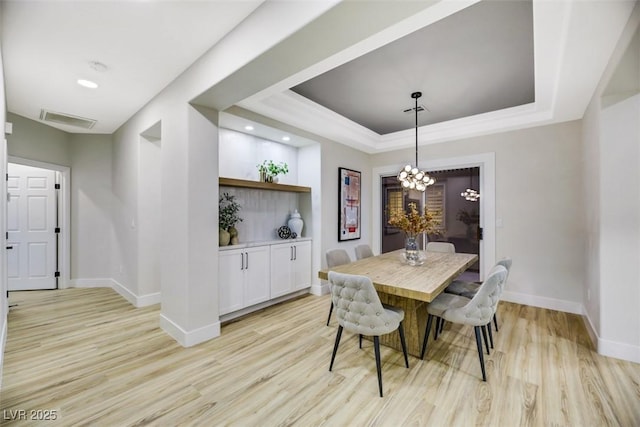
(335, 156)
(149, 219)
(538, 199)
(91, 200)
(4, 304)
(240, 154)
(611, 128)
(35, 141)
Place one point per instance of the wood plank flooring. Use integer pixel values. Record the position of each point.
(96, 360)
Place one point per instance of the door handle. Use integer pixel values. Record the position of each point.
(9, 247)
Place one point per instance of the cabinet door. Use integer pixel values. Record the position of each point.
(302, 266)
(256, 275)
(230, 280)
(281, 262)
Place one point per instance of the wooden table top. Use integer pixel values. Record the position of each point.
(392, 275)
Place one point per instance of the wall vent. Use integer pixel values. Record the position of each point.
(67, 119)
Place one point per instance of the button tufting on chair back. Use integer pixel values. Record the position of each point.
(359, 310)
(358, 306)
(335, 257)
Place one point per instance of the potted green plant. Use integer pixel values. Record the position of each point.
(227, 219)
(269, 170)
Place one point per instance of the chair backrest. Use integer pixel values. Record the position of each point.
(506, 263)
(358, 306)
(481, 308)
(363, 251)
(441, 247)
(336, 257)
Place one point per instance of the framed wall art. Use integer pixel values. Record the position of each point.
(349, 226)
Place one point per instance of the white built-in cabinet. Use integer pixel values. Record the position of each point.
(244, 278)
(290, 267)
(255, 274)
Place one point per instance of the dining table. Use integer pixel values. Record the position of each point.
(409, 287)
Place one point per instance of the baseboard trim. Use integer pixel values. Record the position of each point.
(260, 306)
(319, 289)
(90, 283)
(615, 349)
(189, 338)
(619, 350)
(135, 300)
(543, 302)
(3, 341)
(591, 330)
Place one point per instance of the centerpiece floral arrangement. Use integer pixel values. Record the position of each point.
(412, 222)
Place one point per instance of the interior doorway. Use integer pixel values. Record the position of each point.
(459, 217)
(32, 226)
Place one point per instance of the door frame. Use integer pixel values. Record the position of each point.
(487, 207)
(64, 219)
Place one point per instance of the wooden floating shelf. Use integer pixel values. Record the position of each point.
(243, 183)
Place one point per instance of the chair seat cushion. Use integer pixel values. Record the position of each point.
(462, 288)
(445, 302)
(398, 311)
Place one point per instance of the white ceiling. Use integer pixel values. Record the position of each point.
(48, 45)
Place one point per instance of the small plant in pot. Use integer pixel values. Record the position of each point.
(269, 170)
(227, 219)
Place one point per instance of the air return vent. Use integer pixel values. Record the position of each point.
(66, 119)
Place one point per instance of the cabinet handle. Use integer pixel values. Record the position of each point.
(295, 253)
(246, 266)
(241, 261)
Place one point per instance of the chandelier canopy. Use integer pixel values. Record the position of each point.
(411, 177)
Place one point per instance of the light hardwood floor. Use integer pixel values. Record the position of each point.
(96, 360)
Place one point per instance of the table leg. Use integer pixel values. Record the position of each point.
(415, 321)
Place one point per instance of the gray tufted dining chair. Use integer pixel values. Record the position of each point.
(476, 312)
(363, 251)
(469, 289)
(336, 257)
(360, 311)
(445, 247)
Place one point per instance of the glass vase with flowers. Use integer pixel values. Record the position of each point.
(413, 223)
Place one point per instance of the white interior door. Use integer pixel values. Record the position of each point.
(31, 223)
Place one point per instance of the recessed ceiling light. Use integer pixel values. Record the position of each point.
(286, 138)
(248, 127)
(87, 83)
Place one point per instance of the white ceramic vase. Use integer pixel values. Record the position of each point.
(296, 223)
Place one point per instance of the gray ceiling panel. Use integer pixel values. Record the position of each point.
(478, 60)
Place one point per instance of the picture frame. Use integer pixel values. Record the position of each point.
(349, 204)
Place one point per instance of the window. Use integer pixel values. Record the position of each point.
(436, 204)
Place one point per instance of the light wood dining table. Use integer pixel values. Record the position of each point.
(408, 287)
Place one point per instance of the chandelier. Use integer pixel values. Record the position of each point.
(470, 194)
(410, 177)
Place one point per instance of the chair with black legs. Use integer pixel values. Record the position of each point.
(469, 289)
(476, 312)
(359, 310)
(336, 257)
